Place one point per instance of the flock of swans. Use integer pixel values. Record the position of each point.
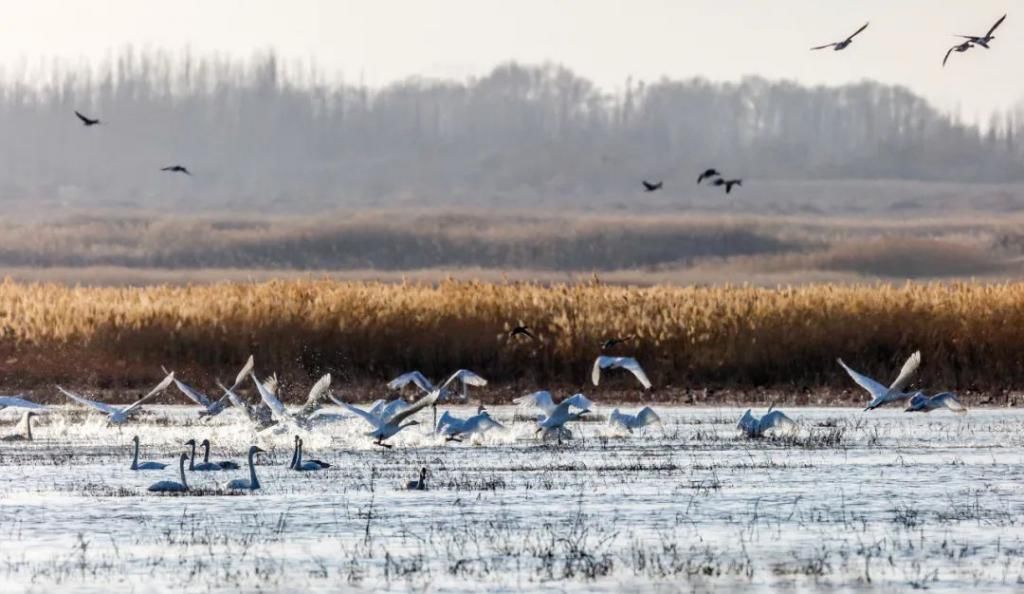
(386, 418)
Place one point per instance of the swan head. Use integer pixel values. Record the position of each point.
(205, 443)
(191, 442)
(253, 450)
(135, 439)
(423, 473)
(184, 456)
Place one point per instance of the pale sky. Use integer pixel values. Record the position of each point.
(380, 41)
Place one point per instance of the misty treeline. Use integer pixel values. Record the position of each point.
(264, 133)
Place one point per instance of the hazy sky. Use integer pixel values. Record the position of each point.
(380, 41)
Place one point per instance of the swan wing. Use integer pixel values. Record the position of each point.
(388, 411)
(992, 30)
(579, 401)
(412, 377)
(874, 388)
(950, 401)
(317, 395)
(414, 408)
(192, 394)
(619, 419)
(908, 370)
(541, 400)
(267, 394)
(647, 416)
(599, 363)
(100, 406)
(163, 385)
(250, 363)
(778, 421)
(367, 416)
(19, 402)
(466, 377)
(858, 32)
(633, 366)
(748, 423)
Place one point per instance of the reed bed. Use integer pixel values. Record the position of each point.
(686, 337)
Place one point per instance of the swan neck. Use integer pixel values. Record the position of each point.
(135, 454)
(206, 453)
(192, 458)
(295, 454)
(181, 470)
(255, 484)
(28, 427)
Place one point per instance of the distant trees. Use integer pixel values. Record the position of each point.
(274, 135)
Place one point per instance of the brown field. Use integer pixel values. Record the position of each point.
(721, 338)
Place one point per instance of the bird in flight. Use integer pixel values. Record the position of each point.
(708, 174)
(959, 48)
(728, 183)
(176, 169)
(86, 121)
(987, 38)
(649, 187)
(841, 45)
(521, 330)
(614, 342)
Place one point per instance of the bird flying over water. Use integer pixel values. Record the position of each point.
(921, 402)
(628, 363)
(984, 40)
(880, 395)
(708, 174)
(614, 342)
(86, 121)
(120, 414)
(629, 422)
(176, 169)
(652, 187)
(841, 45)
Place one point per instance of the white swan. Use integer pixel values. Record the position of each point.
(119, 414)
(27, 436)
(202, 466)
(305, 465)
(268, 393)
(921, 402)
(543, 401)
(221, 464)
(628, 363)
(418, 485)
(629, 422)
(19, 402)
(772, 423)
(260, 415)
(171, 486)
(250, 484)
(136, 465)
(212, 408)
(880, 395)
(383, 429)
(455, 429)
(464, 377)
(560, 416)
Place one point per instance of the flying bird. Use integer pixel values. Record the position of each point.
(728, 183)
(454, 428)
(628, 363)
(652, 187)
(921, 402)
(880, 395)
(772, 423)
(118, 414)
(521, 330)
(176, 169)
(984, 40)
(959, 48)
(629, 422)
(555, 420)
(86, 121)
(708, 174)
(383, 429)
(20, 402)
(841, 45)
(614, 342)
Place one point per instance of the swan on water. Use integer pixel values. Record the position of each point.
(384, 429)
(19, 402)
(628, 363)
(202, 466)
(921, 402)
(120, 414)
(172, 486)
(27, 435)
(455, 429)
(305, 465)
(136, 465)
(880, 395)
(629, 422)
(556, 420)
(212, 408)
(249, 484)
(221, 464)
(772, 423)
(420, 484)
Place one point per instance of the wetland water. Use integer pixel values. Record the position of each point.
(857, 502)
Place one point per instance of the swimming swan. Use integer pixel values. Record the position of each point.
(250, 484)
(171, 486)
(136, 465)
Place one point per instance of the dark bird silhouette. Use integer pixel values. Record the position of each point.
(987, 38)
(521, 331)
(728, 183)
(614, 342)
(86, 121)
(841, 45)
(959, 48)
(649, 187)
(708, 174)
(176, 169)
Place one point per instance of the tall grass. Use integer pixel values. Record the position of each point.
(970, 334)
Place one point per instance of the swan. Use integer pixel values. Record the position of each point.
(305, 465)
(543, 401)
(628, 363)
(202, 466)
(382, 409)
(19, 402)
(418, 485)
(984, 40)
(774, 422)
(880, 395)
(843, 44)
(27, 436)
(136, 465)
(383, 429)
(212, 408)
(250, 484)
(560, 416)
(172, 486)
(921, 402)
(116, 414)
(221, 465)
(629, 422)
(464, 377)
(268, 393)
(260, 415)
(454, 428)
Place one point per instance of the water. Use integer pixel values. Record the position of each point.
(857, 502)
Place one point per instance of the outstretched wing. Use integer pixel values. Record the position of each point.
(246, 370)
(820, 47)
(541, 400)
(412, 377)
(414, 408)
(466, 377)
(106, 408)
(778, 422)
(389, 409)
(858, 31)
(909, 367)
(18, 401)
(647, 416)
(367, 416)
(317, 395)
(634, 367)
(267, 394)
(948, 52)
(84, 119)
(599, 364)
(995, 26)
(748, 423)
(950, 401)
(192, 394)
(579, 401)
(163, 385)
(874, 388)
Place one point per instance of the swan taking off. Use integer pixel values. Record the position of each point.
(556, 420)
(418, 485)
(136, 465)
(629, 422)
(773, 423)
(880, 395)
(383, 429)
(464, 377)
(212, 408)
(455, 429)
(921, 402)
(268, 393)
(19, 402)
(628, 363)
(27, 435)
(171, 486)
(118, 414)
(543, 401)
(249, 484)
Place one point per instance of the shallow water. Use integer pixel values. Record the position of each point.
(856, 502)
